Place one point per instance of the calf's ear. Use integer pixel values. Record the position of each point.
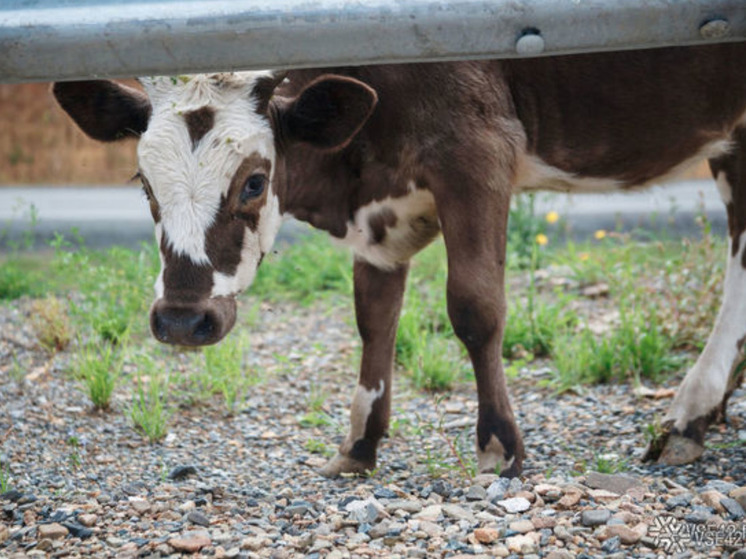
(328, 112)
(104, 110)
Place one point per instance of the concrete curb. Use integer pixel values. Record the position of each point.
(105, 216)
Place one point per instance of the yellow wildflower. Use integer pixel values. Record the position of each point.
(552, 217)
(541, 239)
(583, 256)
(600, 234)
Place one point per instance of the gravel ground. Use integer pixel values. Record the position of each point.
(247, 486)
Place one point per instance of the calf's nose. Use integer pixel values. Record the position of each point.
(193, 325)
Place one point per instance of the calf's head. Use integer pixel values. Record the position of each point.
(212, 153)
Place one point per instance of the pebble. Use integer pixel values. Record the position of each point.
(522, 526)
(476, 493)
(199, 518)
(486, 535)
(734, 508)
(497, 489)
(182, 472)
(682, 500)
(190, 543)
(87, 520)
(515, 505)
(595, 517)
(615, 483)
(52, 531)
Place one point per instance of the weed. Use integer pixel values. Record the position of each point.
(610, 464)
(149, 411)
(224, 371)
(17, 280)
(315, 419)
(4, 478)
(74, 456)
(51, 324)
(316, 446)
(98, 367)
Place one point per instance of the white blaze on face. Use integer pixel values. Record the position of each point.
(189, 181)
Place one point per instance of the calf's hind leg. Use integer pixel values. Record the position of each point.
(378, 301)
(702, 396)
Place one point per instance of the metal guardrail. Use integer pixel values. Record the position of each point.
(69, 39)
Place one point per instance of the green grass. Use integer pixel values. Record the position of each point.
(149, 410)
(665, 294)
(224, 372)
(304, 271)
(98, 367)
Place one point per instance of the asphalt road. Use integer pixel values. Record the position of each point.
(119, 215)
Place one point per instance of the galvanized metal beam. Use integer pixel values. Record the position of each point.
(70, 39)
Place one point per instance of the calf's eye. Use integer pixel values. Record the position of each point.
(253, 187)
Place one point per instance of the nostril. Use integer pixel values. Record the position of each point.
(205, 328)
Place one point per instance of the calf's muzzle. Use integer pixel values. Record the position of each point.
(194, 324)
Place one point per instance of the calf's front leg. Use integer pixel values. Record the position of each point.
(378, 301)
(474, 222)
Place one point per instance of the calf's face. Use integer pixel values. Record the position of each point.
(209, 152)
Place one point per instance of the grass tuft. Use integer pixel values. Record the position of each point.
(98, 367)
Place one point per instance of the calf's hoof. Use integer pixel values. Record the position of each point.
(342, 464)
(673, 448)
(494, 456)
(680, 450)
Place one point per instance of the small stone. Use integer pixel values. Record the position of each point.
(78, 530)
(615, 483)
(740, 554)
(611, 545)
(521, 544)
(298, 507)
(141, 506)
(595, 517)
(712, 499)
(408, 506)
(515, 505)
(4, 533)
(486, 535)
(626, 535)
(542, 522)
(442, 488)
(458, 513)
(522, 526)
(719, 485)
(53, 531)
(739, 494)
(252, 543)
(430, 513)
(190, 544)
(698, 515)
(87, 519)
(198, 518)
(498, 489)
(476, 493)
(681, 500)
(363, 511)
(384, 493)
(569, 500)
(735, 510)
(181, 472)
(559, 554)
(113, 541)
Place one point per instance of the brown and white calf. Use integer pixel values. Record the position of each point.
(386, 157)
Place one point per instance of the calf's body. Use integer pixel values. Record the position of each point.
(386, 157)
